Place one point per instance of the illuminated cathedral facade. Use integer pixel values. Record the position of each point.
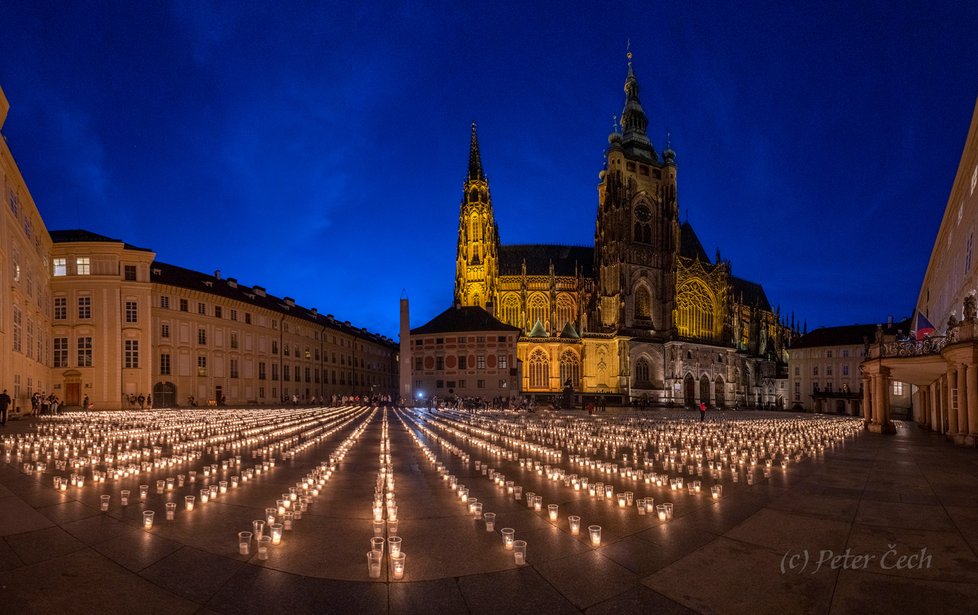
(643, 315)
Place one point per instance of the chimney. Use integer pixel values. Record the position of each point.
(259, 290)
(289, 301)
(314, 311)
(217, 274)
(232, 282)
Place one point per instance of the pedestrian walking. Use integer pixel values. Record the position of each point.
(702, 411)
(4, 405)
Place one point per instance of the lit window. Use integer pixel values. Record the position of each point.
(897, 387)
(83, 265)
(480, 361)
(131, 354)
(501, 360)
(60, 267)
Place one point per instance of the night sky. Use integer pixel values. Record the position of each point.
(319, 149)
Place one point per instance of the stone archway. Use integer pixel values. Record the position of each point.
(164, 395)
(705, 389)
(689, 390)
(719, 396)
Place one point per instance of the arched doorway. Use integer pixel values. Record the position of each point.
(73, 385)
(689, 393)
(718, 393)
(705, 390)
(164, 395)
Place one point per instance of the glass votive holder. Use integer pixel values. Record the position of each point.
(716, 491)
(392, 513)
(490, 519)
(595, 532)
(171, 509)
(143, 491)
(378, 528)
(394, 543)
(124, 497)
(629, 498)
(188, 502)
(244, 543)
(234, 481)
(660, 510)
(276, 531)
(181, 480)
(257, 526)
(160, 486)
(518, 492)
(575, 524)
(264, 543)
(104, 502)
(397, 566)
(205, 494)
(193, 476)
(691, 488)
(609, 492)
(519, 552)
(170, 483)
(377, 544)
(621, 500)
(552, 511)
(288, 520)
(269, 514)
(537, 503)
(471, 504)
(213, 492)
(599, 490)
(148, 519)
(640, 504)
(477, 510)
(392, 527)
(223, 486)
(508, 535)
(668, 506)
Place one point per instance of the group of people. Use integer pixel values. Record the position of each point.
(142, 400)
(45, 404)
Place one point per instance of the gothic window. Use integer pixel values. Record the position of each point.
(695, 312)
(642, 371)
(511, 310)
(538, 308)
(565, 310)
(643, 233)
(643, 303)
(475, 232)
(539, 370)
(474, 196)
(570, 369)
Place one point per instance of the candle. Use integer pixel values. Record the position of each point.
(244, 543)
(205, 494)
(394, 542)
(258, 527)
(595, 532)
(508, 534)
(377, 544)
(143, 491)
(263, 544)
(276, 529)
(716, 491)
(124, 497)
(171, 508)
(575, 524)
(148, 519)
(537, 503)
(160, 486)
(189, 502)
(552, 511)
(490, 519)
(104, 502)
(519, 552)
(397, 564)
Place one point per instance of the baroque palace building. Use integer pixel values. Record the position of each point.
(86, 316)
(644, 313)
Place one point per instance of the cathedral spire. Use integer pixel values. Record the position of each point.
(475, 160)
(634, 122)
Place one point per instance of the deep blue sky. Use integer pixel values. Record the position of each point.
(318, 149)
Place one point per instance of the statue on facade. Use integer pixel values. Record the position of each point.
(952, 322)
(970, 311)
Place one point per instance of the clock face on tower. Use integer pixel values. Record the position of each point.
(642, 213)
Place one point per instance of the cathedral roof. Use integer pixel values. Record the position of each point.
(750, 293)
(538, 330)
(689, 244)
(463, 319)
(566, 259)
(569, 332)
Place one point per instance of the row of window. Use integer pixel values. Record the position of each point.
(828, 370)
(502, 362)
(84, 304)
(456, 384)
(478, 339)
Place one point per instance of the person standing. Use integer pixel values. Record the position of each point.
(702, 411)
(4, 405)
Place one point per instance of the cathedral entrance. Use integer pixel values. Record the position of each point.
(689, 391)
(72, 388)
(705, 390)
(718, 393)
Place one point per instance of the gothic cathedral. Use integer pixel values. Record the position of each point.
(645, 315)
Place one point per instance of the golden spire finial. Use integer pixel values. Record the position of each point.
(628, 50)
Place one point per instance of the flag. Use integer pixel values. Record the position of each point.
(922, 327)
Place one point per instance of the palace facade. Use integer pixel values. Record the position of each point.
(644, 313)
(83, 316)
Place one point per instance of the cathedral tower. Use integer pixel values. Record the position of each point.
(476, 264)
(637, 232)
